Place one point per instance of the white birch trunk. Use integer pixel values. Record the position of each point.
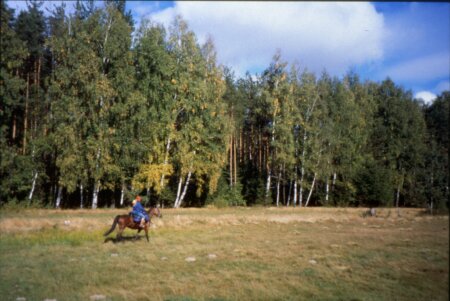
(58, 198)
(97, 184)
(300, 193)
(302, 170)
(33, 182)
(95, 195)
(334, 181)
(175, 205)
(81, 197)
(294, 201)
(122, 193)
(33, 186)
(186, 184)
(311, 190)
(278, 188)
(305, 137)
(327, 190)
(269, 175)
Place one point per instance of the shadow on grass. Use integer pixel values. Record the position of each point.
(123, 239)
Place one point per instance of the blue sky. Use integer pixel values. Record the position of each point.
(407, 41)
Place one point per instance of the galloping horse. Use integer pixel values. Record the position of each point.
(126, 220)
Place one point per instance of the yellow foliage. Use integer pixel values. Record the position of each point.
(150, 175)
(213, 181)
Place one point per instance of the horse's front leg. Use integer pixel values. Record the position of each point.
(147, 225)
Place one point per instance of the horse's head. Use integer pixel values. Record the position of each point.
(154, 211)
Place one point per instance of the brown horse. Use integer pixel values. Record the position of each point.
(126, 220)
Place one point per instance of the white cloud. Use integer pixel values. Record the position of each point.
(426, 96)
(425, 68)
(327, 35)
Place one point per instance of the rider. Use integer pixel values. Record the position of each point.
(139, 211)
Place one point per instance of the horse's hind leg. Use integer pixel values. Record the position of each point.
(119, 233)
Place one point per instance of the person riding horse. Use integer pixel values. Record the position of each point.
(139, 214)
(127, 220)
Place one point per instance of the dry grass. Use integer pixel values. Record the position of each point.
(240, 254)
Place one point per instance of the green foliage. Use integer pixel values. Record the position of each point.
(374, 184)
(87, 111)
(226, 196)
(435, 171)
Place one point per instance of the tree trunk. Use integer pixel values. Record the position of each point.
(311, 190)
(231, 161)
(327, 190)
(269, 175)
(278, 188)
(260, 150)
(397, 200)
(300, 197)
(284, 186)
(81, 197)
(95, 195)
(186, 184)
(235, 161)
(289, 194)
(334, 182)
(180, 183)
(97, 184)
(58, 198)
(122, 194)
(241, 148)
(294, 201)
(25, 119)
(14, 127)
(33, 185)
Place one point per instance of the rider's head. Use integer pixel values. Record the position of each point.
(138, 198)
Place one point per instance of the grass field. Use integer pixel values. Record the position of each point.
(226, 254)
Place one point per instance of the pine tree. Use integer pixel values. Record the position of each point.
(14, 181)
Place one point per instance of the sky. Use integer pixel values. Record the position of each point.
(406, 41)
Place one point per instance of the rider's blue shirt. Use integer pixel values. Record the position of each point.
(139, 211)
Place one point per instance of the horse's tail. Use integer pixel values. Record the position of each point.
(116, 220)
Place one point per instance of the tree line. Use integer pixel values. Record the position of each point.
(94, 111)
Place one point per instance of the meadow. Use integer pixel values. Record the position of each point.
(226, 254)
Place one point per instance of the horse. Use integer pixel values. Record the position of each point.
(126, 220)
